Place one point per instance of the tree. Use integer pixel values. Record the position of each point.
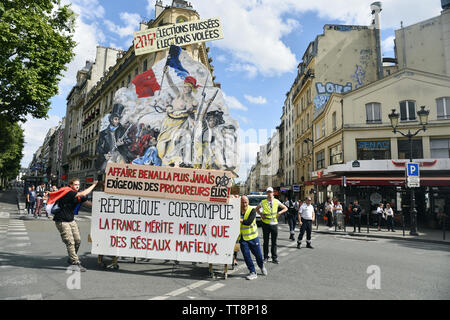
(11, 146)
(35, 46)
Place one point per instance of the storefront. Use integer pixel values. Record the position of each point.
(367, 183)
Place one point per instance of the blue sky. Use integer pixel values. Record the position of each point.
(264, 40)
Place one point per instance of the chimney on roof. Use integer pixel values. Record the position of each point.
(158, 8)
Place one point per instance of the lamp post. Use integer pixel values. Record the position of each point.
(423, 118)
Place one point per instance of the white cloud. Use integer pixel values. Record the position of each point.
(88, 35)
(131, 21)
(35, 131)
(254, 29)
(255, 100)
(234, 103)
(387, 46)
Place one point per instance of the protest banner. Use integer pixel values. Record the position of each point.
(155, 228)
(180, 34)
(168, 182)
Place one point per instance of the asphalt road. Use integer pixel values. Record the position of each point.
(33, 266)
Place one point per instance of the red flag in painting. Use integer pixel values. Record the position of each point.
(146, 84)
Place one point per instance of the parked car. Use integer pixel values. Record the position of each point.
(254, 200)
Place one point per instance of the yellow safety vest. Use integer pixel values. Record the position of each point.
(270, 215)
(249, 232)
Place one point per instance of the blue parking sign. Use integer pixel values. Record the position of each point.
(412, 169)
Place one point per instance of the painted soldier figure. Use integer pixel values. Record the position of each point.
(113, 143)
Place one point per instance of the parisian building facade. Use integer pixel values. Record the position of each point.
(92, 98)
(340, 102)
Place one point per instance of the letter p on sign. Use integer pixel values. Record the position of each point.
(413, 169)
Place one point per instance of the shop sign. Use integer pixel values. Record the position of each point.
(374, 145)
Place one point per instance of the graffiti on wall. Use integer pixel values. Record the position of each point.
(325, 90)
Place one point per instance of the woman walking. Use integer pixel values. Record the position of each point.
(390, 217)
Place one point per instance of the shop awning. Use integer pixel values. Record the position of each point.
(382, 181)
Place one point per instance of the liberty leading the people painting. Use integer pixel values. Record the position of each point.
(170, 115)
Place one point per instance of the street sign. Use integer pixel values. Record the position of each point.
(412, 175)
(412, 169)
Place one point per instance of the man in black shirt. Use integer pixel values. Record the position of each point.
(356, 215)
(64, 219)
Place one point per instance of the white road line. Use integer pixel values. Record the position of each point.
(181, 290)
(18, 238)
(214, 287)
(17, 233)
(27, 297)
(18, 245)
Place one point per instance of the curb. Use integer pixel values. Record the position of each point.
(383, 237)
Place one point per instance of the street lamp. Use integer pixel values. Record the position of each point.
(423, 118)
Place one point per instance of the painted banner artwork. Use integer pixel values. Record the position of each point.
(170, 115)
(152, 228)
(167, 182)
(180, 34)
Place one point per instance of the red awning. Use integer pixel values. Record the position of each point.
(382, 181)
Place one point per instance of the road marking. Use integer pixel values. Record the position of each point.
(181, 290)
(27, 297)
(4, 215)
(214, 287)
(17, 233)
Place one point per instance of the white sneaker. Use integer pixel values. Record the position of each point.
(251, 276)
(264, 271)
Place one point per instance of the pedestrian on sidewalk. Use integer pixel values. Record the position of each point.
(248, 239)
(40, 190)
(67, 199)
(338, 214)
(380, 214)
(292, 216)
(329, 213)
(269, 218)
(306, 217)
(356, 215)
(390, 217)
(31, 199)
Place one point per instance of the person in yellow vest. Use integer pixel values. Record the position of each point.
(248, 239)
(269, 218)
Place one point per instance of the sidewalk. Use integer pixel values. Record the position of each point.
(425, 235)
(16, 202)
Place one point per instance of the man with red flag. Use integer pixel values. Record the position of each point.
(67, 199)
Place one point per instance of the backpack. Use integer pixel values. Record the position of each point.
(291, 208)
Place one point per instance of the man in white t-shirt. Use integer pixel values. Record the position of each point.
(306, 216)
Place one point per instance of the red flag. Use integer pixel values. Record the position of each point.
(146, 84)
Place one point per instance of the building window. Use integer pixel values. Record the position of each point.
(333, 121)
(443, 108)
(440, 148)
(404, 149)
(336, 154)
(373, 112)
(373, 149)
(320, 160)
(407, 110)
(145, 65)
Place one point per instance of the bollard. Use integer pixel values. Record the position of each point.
(403, 224)
(444, 223)
(368, 220)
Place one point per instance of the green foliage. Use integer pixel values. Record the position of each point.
(35, 46)
(11, 146)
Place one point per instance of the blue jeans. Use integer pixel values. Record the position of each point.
(253, 247)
